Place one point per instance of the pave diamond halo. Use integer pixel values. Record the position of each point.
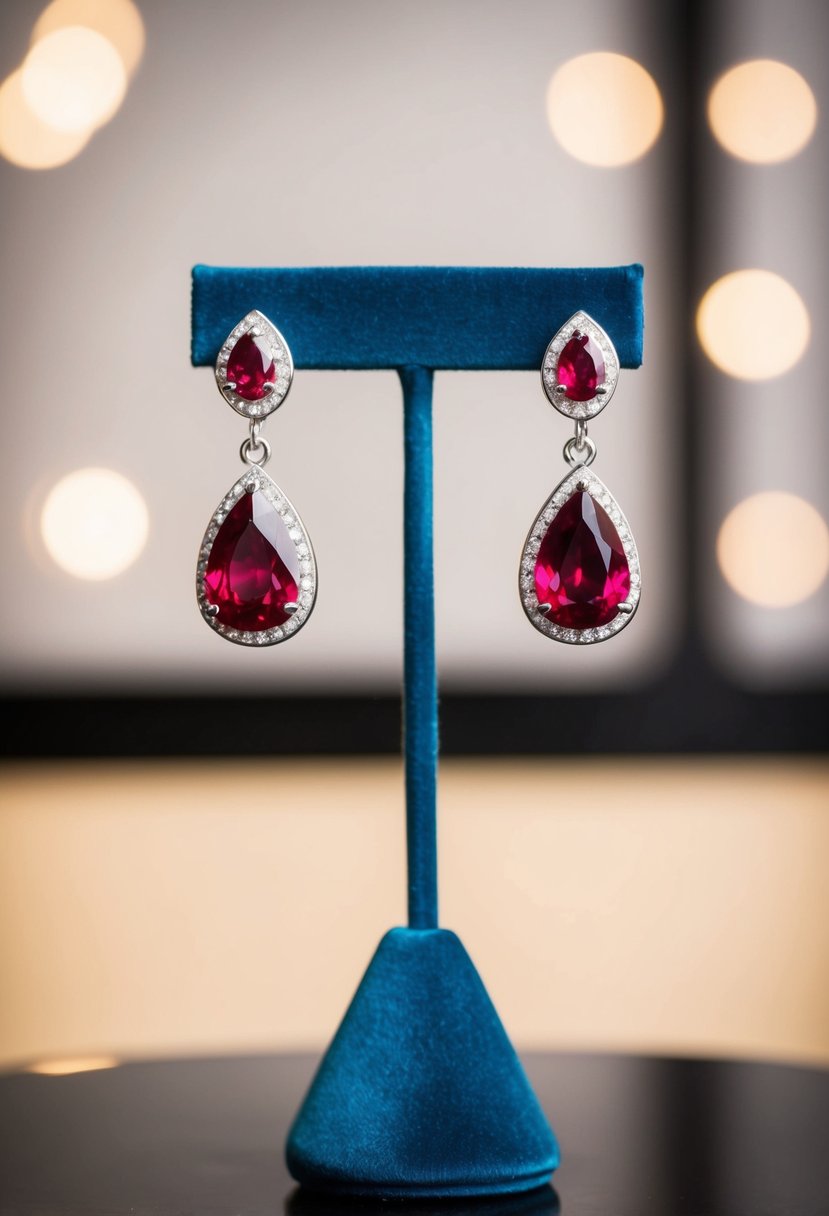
(580, 368)
(254, 368)
(256, 579)
(579, 577)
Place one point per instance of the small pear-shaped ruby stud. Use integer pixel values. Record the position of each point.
(250, 367)
(581, 369)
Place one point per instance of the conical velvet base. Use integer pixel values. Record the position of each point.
(421, 1092)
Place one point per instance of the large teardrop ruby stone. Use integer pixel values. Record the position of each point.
(581, 368)
(581, 570)
(250, 367)
(253, 568)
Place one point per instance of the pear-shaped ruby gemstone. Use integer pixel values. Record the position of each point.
(250, 367)
(581, 570)
(581, 368)
(253, 567)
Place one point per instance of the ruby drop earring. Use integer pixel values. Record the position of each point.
(579, 576)
(256, 577)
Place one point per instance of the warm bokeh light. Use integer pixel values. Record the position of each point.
(94, 523)
(762, 111)
(118, 20)
(64, 1068)
(773, 549)
(74, 79)
(604, 109)
(28, 142)
(752, 324)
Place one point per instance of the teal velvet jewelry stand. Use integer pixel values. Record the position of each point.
(420, 1093)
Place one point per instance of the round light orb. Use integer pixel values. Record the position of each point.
(72, 1064)
(118, 20)
(773, 549)
(94, 523)
(28, 142)
(753, 325)
(762, 111)
(604, 109)
(73, 79)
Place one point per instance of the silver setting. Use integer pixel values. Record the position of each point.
(580, 322)
(257, 324)
(255, 443)
(579, 454)
(306, 579)
(579, 478)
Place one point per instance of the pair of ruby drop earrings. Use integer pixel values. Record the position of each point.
(256, 579)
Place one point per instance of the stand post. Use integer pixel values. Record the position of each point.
(420, 707)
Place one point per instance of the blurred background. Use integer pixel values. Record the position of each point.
(201, 845)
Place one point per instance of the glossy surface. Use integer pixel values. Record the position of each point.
(581, 570)
(581, 368)
(250, 367)
(253, 568)
(640, 1137)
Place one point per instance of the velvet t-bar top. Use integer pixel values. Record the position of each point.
(466, 318)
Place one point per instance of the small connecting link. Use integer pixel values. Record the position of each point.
(255, 443)
(580, 450)
(577, 455)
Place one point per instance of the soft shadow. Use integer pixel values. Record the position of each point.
(543, 1201)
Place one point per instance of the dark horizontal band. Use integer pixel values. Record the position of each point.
(697, 714)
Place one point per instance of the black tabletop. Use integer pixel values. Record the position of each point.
(639, 1136)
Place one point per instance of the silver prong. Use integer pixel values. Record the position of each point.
(252, 487)
(256, 330)
(600, 392)
(625, 608)
(560, 388)
(290, 607)
(268, 386)
(545, 608)
(229, 386)
(211, 610)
